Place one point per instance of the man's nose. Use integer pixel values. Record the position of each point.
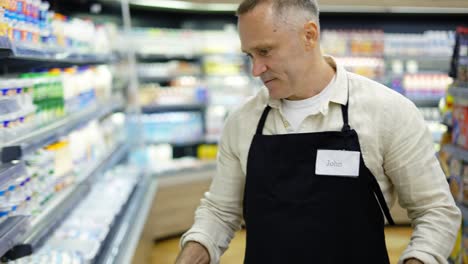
(258, 67)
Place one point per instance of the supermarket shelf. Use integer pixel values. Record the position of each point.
(150, 109)
(457, 152)
(163, 79)
(65, 201)
(17, 57)
(431, 58)
(388, 7)
(164, 57)
(122, 246)
(464, 210)
(9, 171)
(447, 120)
(460, 92)
(11, 230)
(178, 144)
(425, 63)
(43, 136)
(55, 211)
(425, 102)
(113, 158)
(179, 168)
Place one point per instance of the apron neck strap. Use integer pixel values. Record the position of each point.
(262, 121)
(344, 111)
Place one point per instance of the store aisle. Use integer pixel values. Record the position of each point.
(165, 252)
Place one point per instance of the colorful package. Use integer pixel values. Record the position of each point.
(455, 180)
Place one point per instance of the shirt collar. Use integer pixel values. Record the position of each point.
(338, 93)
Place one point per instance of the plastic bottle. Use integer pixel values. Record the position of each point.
(29, 29)
(42, 14)
(11, 5)
(8, 21)
(17, 26)
(36, 4)
(51, 94)
(35, 31)
(28, 8)
(3, 23)
(70, 90)
(43, 10)
(22, 28)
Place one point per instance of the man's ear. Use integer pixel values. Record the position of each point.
(310, 35)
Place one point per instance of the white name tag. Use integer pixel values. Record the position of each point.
(337, 163)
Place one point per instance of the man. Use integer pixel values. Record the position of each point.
(312, 161)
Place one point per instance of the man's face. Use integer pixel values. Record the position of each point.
(275, 49)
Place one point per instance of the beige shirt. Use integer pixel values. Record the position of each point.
(396, 145)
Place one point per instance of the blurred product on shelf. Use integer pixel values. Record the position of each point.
(192, 76)
(460, 65)
(460, 126)
(207, 151)
(164, 42)
(412, 64)
(457, 255)
(419, 86)
(215, 117)
(432, 117)
(168, 69)
(376, 43)
(34, 99)
(198, 81)
(221, 68)
(15, 194)
(429, 43)
(348, 43)
(181, 42)
(47, 172)
(454, 143)
(220, 92)
(82, 234)
(230, 91)
(31, 24)
(224, 65)
(460, 108)
(52, 257)
(151, 156)
(221, 41)
(465, 241)
(373, 68)
(456, 180)
(175, 95)
(172, 127)
(50, 170)
(16, 118)
(159, 159)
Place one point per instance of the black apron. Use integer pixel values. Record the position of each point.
(294, 216)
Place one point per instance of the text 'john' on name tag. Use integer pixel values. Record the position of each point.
(337, 163)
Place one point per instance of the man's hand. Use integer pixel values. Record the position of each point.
(413, 261)
(193, 253)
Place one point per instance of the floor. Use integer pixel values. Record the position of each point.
(165, 252)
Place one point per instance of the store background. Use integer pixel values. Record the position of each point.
(111, 112)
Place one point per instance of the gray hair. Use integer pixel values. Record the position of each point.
(310, 6)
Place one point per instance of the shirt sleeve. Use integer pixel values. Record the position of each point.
(220, 214)
(411, 164)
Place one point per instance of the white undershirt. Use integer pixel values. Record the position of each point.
(295, 112)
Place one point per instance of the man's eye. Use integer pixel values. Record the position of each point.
(263, 52)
